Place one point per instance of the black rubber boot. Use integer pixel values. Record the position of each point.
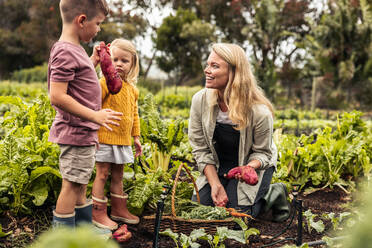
(83, 213)
(276, 200)
(63, 220)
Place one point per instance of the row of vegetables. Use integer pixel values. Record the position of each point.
(29, 176)
(313, 153)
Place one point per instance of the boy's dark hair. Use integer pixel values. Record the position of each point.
(72, 8)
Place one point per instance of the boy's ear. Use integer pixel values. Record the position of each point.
(81, 19)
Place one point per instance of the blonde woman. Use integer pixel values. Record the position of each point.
(115, 147)
(230, 131)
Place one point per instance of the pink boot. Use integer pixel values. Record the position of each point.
(119, 210)
(99, 214)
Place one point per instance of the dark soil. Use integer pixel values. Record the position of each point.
(25, 229)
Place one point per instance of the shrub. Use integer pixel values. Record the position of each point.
(152, 85)
(34, 74)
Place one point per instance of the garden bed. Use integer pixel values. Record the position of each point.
(26, 228)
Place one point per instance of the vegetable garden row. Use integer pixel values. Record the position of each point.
(314, 152)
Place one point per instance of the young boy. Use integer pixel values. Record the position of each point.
(75, 93)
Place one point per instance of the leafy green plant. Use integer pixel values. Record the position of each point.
(184, 240)
(144, 188)
(311, 223)
(327, 157)
(336, 220)
(162, 135)
(28, 162)
(3, 234)
(215, 241)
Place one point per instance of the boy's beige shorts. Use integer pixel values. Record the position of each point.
(76, 163)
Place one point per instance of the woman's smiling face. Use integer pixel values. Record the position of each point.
(216, 72)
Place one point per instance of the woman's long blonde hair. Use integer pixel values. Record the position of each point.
(128, 46)
(242, 91)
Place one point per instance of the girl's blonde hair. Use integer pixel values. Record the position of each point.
(242, 91)
(128, 46)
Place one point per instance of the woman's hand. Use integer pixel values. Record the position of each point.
(246, 174)
(138, 147)
(218, 192)
(218, 195)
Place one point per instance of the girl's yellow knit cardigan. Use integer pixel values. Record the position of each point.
(126, 102)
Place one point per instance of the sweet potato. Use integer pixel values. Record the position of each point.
(113, 80)
(247, 174)
(122, 234)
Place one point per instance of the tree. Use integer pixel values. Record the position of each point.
(340, 43)
(30, 27)
(122, 22)
(269, 28)
(183, 42)
(226, 15)
(27, 30)
(273, 29)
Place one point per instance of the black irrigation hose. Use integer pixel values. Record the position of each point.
(278, 241)
(284, 230)
(322, 242)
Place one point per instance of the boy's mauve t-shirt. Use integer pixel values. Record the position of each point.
(70, 63)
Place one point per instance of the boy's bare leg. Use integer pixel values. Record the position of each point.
(116, 186)
(68, 197)
(82, 197)
(102, 173)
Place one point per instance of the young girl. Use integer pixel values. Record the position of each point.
(115, 146)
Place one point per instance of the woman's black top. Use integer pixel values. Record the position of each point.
(226, 142)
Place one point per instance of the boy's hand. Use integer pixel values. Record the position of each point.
(137, 145)
(95, 56)
(106, 116)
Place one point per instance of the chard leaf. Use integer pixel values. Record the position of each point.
(5, 178)
(42, 170)
(241, 223)
(226, 233)
(184, 240)
(197, 233)
(194, 245)
(39, 191)
(168, 232)
(317, 225)
(144, 188)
